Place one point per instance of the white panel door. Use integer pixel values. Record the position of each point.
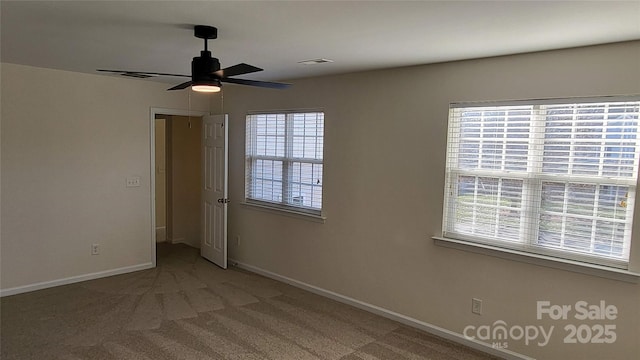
(214, 189)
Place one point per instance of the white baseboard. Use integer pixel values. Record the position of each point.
(432, 329)
(185, 242)
(161, 234)
(177, 241)
(73, 279)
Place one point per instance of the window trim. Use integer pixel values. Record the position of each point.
(308, 213)
(540, 259)
(281, 210)
(548, 101)
(521, 250)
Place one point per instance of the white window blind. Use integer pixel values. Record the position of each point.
(550, 178)
(284, 160)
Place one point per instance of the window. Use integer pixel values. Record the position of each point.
(552, 177)
(284, 160)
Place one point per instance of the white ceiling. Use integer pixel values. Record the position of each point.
(157, 36)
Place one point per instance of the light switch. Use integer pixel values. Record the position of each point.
(133, 181)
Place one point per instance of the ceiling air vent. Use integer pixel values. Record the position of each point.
(315, 61)
(136, 75)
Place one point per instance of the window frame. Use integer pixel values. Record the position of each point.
(529, 234)
(283, 206)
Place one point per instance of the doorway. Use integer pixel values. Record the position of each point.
(176, 169)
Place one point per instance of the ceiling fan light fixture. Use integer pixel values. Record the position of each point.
(206, 88)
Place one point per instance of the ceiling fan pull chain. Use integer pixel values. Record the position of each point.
(189, 96)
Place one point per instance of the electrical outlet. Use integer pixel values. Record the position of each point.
(95, 249)
(476, 306)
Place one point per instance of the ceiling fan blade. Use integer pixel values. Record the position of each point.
(140, 74)
(264, 84)
(184, 85)
(238, 69)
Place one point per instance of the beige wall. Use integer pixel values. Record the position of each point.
(185, 181)
(385, 136)
(68, 142)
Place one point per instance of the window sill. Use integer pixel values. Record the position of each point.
(286, 212)
(541, 260)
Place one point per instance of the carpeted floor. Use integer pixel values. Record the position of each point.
(188, 308)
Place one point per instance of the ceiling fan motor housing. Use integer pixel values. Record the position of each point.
(203, 68)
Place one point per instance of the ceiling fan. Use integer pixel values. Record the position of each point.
(206, 74)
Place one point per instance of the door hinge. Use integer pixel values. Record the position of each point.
(224, 201)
